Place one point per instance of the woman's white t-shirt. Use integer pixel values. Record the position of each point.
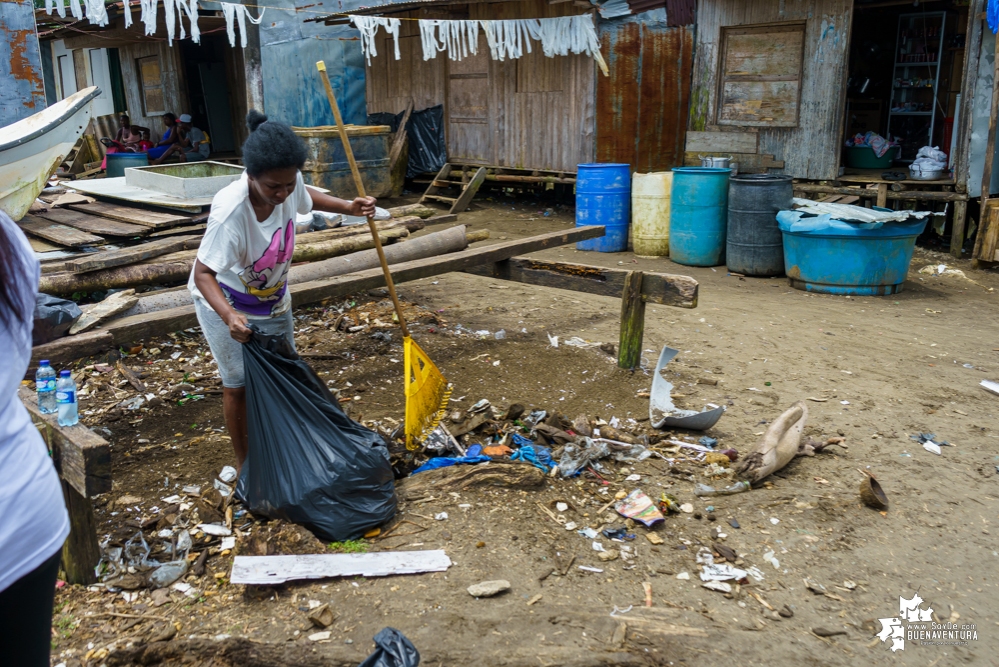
(251, 258)
(33, 518)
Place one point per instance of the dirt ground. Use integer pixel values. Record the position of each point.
(883, 369)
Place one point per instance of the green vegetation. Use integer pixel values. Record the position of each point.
(349, 547)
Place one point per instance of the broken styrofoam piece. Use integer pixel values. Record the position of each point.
(663, 413)
(990, 385)
(263, 570)
(214, 529)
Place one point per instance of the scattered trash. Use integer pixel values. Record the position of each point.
(687, 508)
(989, 385)
(872, 494)
(608, 555)
(320, 636)
(487, 589)
(448, 461)
(617, 533)
(683, 576)
(772, 559)
(214, 529)
(654, 538)
(705, 490)
(707, 441)
(734, 523)
(588, 533)
(719, 586)
(268, 570)
(538, 456)
(553, 340)
(228, 474)
(393, 649)
(441, 516)
(587, 568)
(780, 444)
(774, 520)
(662, 411)
(931, 446)
(639, 507)
(167, 573)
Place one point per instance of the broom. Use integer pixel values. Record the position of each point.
(427, 392)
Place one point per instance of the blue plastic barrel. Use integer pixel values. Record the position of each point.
(698, 215)
(117, 162)
(603, 197)
(835, 257)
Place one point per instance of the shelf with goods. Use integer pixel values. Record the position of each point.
(914, 106)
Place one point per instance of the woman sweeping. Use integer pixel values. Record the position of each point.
(240, 276)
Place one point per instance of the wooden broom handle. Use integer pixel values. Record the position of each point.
(321, 66)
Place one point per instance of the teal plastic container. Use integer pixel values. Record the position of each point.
(698, 216)
(835, 257)
(603, 197)
(117, 163)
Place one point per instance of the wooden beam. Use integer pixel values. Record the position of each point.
(400, 137)
(69, 348)
(80, 552)
(61, 234)
(93, 223)
(988, 233)
(882, 195)
(629, 353)
(132, 255)
(864, 193)
(728, 142)
(468, 192)
(957, 229)
(81, 457)
(659, 288)
(138, 216)
(140, 327)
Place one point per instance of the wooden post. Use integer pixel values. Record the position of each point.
(80, 552)
(882, 194)
(629, 354)
(957, 232)
(985, 244)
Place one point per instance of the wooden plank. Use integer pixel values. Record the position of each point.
(186, 229)
(82, 457)
(138, 216)
(957, 231)
(39, 245)
(659, 288)
(94, 224)
(139, 327)
(864, 193)
(271, 570)
(882, 194)
(746, 161)
(988, 236)
(80, 552)
(114, 304)
(70, 348)
(61, 234)
(132, 255)
(629, 354)
(722, 142)
(400, 136)
(469, 192)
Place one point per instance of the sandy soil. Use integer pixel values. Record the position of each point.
(885, 368)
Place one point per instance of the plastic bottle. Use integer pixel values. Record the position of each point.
(705, 490)
(45, 385)
(66, 399)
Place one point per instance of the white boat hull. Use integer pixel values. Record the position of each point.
(32, 149)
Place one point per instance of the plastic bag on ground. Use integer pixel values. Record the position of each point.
(393, 650)
(53, 318)
(308, 462)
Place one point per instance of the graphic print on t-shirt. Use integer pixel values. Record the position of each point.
(265, 279)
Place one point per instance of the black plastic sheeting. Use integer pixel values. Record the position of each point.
(425, 129)
(53, 318)
(308, 462)
(393, 650)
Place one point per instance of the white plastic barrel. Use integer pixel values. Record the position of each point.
(650, 204)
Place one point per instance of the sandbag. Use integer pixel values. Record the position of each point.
(53, 318)
(308, 462)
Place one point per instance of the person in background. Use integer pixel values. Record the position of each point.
(33, 518)
(169, 138)
(129, 135)
(241, 274)
(192, 144)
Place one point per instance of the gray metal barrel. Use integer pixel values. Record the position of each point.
(754, 244)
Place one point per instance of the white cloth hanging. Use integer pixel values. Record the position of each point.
(368, 27)
(74, 7)
(147, 14)
(190, 7)
(96, 12)
(60, 8)
(128, 13)
(232, 13)
(168, 17)
(458, 38)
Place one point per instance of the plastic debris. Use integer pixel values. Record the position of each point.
(588, 533)
(538, 456)
(772, 559)
(662, 411)
(639, 507)
(228, 474)
(393, 649)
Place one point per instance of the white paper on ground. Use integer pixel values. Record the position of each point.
(257, 570)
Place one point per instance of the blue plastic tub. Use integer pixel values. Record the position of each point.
(117, 162)
(603, 197)
(698, 216)
(835, 257)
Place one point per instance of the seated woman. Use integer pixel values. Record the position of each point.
(170, 137)
(192, 144)
(128, 137)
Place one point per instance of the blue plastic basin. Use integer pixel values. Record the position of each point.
(850, 259)
(698, 215)
(603, 197)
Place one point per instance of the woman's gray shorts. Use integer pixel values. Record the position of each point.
(227, 351)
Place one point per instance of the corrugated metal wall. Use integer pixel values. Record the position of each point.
(289, 49)
(642, 107)
(22, 92)
(810, 150)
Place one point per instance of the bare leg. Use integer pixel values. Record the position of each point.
(234, 409)
(167, 153)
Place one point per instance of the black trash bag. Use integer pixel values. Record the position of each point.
(308, 462)
(425, 129)
(394, 650)
(53, 318)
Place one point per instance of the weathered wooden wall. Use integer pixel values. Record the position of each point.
(22, 92)
(174, 86)
(534, 112)
(812, 149)
(642, 106)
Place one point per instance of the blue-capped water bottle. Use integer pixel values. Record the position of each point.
(66, 399)
(45, 385)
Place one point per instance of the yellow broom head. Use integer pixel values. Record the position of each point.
(427, 393)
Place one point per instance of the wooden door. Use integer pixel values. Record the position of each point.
(470, 125)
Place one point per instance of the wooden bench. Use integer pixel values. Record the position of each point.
(83, 461)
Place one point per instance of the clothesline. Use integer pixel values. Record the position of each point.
(507, 39)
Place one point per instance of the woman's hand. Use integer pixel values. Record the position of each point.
(363, 206)
(238, 328)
